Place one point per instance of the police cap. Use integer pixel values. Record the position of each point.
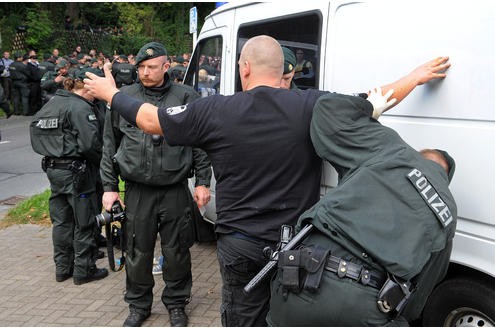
(149, 51)
(80, 56)
(60, 65)
(25, 57)
(289, 60)
(73, 61)
(81, 74)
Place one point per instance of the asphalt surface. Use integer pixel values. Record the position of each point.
(29, 294)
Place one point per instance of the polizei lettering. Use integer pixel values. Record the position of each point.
(430, 196)
(47, 123)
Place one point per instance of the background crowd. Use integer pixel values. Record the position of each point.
(29, 80)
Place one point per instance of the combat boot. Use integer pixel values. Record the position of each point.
(136, 317)
(178, 317)
(96, 275)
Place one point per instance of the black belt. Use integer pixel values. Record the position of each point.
(359, 273)
(61, 163)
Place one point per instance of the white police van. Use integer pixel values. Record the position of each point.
(356, 45)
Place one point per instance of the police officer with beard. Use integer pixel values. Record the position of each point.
(381, 239)
(157, 198)
(65, 131)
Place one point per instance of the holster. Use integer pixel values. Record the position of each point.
(44, 164)
(394, 295)
(79, 169)
(289, 263)
(305, 264)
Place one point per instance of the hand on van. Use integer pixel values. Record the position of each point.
(433, 69)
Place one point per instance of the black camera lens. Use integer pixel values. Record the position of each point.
(103, 218)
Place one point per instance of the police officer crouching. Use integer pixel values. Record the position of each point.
(381, 240)
(65, 131)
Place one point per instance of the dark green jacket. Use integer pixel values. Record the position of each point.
(48, 83)
(67, 127)
(376, 211)
(136, 158)
(19, 72)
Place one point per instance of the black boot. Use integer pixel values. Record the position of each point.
(136, 317)
(178, 317)
(96, 275)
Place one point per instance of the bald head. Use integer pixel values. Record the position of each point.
(261, 62)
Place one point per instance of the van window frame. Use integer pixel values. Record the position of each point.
(192, 75)
(241, 39)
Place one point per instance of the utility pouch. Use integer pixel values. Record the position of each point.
(289, 263)
(115, 165)
(393, 296)
(44, 164)
(314, 263)
(79, 170)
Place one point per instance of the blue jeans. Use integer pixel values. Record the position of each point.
(240, 260)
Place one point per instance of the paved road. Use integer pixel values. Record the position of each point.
(20, 170)
(29, 294)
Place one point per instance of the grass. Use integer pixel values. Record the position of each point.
(33, 210)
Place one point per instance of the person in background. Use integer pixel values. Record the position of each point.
(289, 69)
(21, 75)
(5, 78)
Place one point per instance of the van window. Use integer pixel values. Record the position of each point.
(205, 67)
(300, 33)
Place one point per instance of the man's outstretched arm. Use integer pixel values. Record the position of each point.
(433, 69)
(143, 115)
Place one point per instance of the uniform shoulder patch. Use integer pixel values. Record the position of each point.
(176, 110)
(47, 123)
(431, 197)
(92, 117)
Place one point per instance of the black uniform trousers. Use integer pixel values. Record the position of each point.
(151, 210)
(241, 258)
(20, 95)
(73, 218)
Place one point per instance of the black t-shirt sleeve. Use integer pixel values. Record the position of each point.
(187, 125)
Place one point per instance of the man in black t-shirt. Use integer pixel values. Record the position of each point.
(266, 168)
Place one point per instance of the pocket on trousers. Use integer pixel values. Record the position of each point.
(186, 233)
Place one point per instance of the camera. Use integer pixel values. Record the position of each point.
(116, 214)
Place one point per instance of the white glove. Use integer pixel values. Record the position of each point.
(380, 102)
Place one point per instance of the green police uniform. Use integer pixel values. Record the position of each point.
(66, 132)
(157, 198)
(289, 64)
(391, 214)
(48, 85)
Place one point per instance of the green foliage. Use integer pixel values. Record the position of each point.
(141, 22)
(39, 26)
(33, 210)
